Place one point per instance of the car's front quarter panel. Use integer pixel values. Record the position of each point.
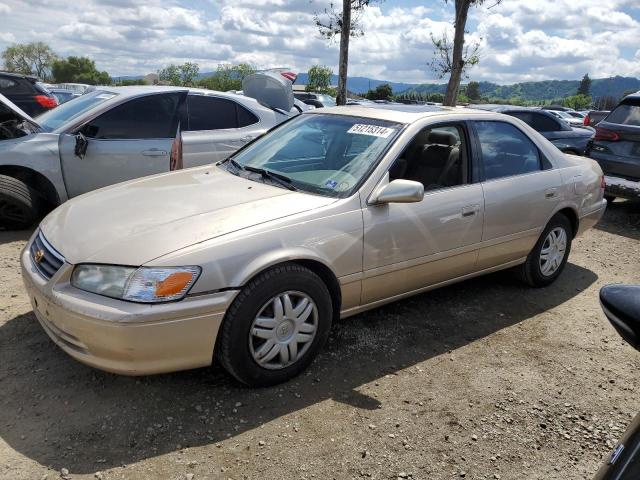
(331, 236)
(37, 152)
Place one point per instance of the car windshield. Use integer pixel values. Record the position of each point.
(325, 154)
(58, 116)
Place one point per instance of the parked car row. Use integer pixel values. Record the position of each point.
(115, 134)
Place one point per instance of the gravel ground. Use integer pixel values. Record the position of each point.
(486, 379)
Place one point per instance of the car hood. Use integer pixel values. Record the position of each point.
(135, 222)
(10, 111)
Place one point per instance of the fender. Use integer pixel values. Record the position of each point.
(39, 153)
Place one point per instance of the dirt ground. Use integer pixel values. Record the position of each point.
(486, 379)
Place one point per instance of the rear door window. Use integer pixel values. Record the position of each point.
(151, 116)
(537, 121)
(215, 113)
(627, 113)
(505, 150)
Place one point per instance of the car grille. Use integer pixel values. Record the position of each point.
(44, 257)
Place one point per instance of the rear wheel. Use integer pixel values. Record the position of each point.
(275, 326)
(19, 204)
(549, 256)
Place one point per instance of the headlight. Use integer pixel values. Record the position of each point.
(144, 284)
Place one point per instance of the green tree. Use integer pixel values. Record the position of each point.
(184, 75)
(343, 23)
(577, 102)
(227, 77)
(30, 59)
(170, 75)
(585, 85)
(79, 70)
(319, 79)
(472, 91)
(382, 92)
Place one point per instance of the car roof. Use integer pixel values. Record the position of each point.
(18, 75)
(136, 90)
(393, 112)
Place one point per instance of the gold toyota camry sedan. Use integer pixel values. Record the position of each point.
(248, 261)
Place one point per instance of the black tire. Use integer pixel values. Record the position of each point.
(531, 271)
(610, 198)
(232, 346)
(19, 204)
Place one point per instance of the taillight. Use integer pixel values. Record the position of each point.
(46, 102)
(606, 135)
(586, 120)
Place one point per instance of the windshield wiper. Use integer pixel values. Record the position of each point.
(276, 177)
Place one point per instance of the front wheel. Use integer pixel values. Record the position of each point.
(549, 256)
(275, 326)
(19, 204)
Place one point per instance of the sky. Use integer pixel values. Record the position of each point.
(520, 40)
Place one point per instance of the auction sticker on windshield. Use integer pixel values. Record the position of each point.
(373, 130)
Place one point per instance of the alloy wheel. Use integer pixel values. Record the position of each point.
(553, 251)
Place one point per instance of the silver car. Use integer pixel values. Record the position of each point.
(248, 261)
(113, 134)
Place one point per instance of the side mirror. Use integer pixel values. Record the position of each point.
(81, 145)
(399, 191)
(621, 305)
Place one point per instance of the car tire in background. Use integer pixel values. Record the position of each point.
(19, 204)
(276, 326)
(548, 257)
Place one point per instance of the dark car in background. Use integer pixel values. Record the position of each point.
(594, 117)
(317, 100)
(26, 93)
(616, 147)
(568, 139)
(63, 94)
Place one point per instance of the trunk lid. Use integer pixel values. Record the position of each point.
(270, 89)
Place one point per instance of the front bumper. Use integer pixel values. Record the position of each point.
(621, 187)
(124, 337)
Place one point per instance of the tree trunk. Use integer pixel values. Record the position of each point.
(457, 62)
(345, 34)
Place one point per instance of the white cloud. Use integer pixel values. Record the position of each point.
(521, 39)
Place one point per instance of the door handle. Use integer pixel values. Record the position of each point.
(550, 193)
(470, 210)
(154, 152)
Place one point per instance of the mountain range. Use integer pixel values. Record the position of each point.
(543, 90)
(530, 91)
